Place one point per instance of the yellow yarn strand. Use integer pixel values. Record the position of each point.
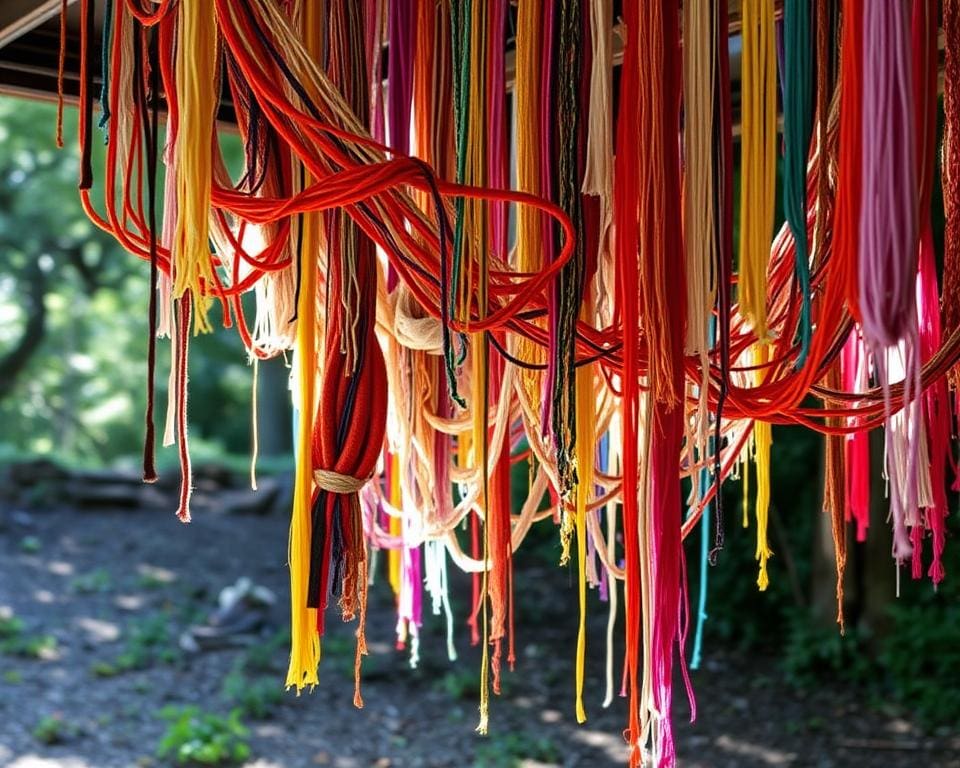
(476, 242)
(758, 168)
(763, 439)
(529, 250)
(762, 442)
(305, 644)
(757, 452)
(195, 75)
(304, 640)
(745, 468)
(586, 443)
(395, 525)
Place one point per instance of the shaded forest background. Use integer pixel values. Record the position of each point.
(73, 330)
(73, 323)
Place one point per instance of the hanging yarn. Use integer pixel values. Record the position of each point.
(951, 170)
(487, 262)
(847, 223)
(761, 439)
(758, 158)
(797, 124)
(700, 191)
(888, 234)
(855, 378)
(305, 642)
(570, 286)
(196, 69)
(723, 225)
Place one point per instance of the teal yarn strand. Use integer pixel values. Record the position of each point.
(797, 129)
(696, 655)
(105, 67)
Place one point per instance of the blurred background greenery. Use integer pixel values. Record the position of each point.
(73, 323)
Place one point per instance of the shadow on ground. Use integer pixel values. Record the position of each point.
(92, 604)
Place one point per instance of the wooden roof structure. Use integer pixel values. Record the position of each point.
(30, 46)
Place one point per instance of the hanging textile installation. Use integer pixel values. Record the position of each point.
(489, 233)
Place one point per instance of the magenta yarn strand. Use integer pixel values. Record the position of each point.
(888, 229)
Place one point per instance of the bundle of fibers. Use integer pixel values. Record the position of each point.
(488, 261)
(888, 233)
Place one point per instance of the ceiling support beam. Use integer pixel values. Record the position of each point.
(27, 19)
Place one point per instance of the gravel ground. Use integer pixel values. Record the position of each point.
(95, 582)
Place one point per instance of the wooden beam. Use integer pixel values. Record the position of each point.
(21, 17)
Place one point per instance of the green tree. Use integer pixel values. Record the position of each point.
(73, 318)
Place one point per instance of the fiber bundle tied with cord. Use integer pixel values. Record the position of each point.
(488, 232)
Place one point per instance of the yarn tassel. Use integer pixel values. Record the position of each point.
(834, 503)
(305, 642)
(855, 378)
(762, 441)
(196, 69)
(888, 238)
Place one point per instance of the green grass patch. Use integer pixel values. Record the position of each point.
(95, 581)
(195, 737)
(53, 729)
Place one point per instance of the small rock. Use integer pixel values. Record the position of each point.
(24, 519)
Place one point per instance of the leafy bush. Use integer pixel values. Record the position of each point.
(921, 656)
(815, 653)
(203, 738)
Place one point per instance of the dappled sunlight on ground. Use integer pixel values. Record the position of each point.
(103, 606)
(35, 761)
(755, 752)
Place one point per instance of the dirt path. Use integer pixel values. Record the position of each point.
(103, 597)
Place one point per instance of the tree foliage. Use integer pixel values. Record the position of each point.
(73, 322)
